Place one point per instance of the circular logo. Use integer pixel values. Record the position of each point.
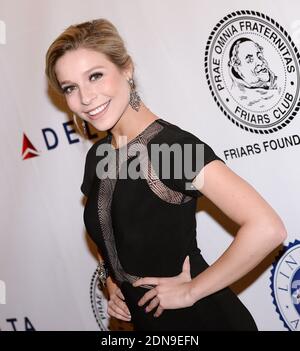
(99, 307)
(252, 69)
(285, 286)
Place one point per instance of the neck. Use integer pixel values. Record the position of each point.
(130, 125)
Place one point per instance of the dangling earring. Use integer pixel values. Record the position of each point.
(83, 127)
(135, 100)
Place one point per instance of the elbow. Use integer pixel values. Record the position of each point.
(284, 234)
(274, 228)
(281, 235)
(278, 234)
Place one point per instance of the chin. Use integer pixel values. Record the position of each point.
(103, 126)
(100, 127)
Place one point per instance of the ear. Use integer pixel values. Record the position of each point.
(128, 71)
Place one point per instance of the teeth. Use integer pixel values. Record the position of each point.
(98, 109)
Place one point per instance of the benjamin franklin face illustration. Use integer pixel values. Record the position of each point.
(248, 64)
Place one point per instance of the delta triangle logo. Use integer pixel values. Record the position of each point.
(28, 150)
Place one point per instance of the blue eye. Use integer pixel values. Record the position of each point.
(96, 75)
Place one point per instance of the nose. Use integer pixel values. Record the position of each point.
(87, 96)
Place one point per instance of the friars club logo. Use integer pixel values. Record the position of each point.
(252, 69)
(285, 286)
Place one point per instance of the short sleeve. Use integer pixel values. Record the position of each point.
(184, 167)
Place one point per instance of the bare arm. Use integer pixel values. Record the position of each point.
(261, 229)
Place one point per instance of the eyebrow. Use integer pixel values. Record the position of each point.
(89, 70)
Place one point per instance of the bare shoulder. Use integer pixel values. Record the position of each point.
(233, 194)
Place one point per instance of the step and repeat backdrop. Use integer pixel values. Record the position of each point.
(226, 71)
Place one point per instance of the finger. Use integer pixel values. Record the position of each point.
(115, 314)
(158, 311)
(186, 264)
(120, 294)
(148, 296)
(114, 307)
(122, 305)
(154, 303)
(146, 281)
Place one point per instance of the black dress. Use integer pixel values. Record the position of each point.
(145, 225)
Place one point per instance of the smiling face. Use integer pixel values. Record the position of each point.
(253, 67)
(95, 89)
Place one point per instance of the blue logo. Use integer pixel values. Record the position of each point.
(285, 285)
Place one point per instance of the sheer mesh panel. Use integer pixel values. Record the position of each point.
(107, 186)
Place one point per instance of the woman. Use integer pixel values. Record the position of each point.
(145, 227)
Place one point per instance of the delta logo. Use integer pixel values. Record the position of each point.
(51, 139)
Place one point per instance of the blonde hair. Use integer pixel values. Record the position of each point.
(99, 35)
